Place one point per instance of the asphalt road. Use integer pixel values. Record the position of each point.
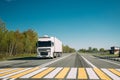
(26, 62)
(79, 60)
(69, 67)
(73, 60)
(101, 63)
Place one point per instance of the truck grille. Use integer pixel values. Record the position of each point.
(44, 53)
(43, 50)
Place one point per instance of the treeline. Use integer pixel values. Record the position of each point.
(93, 50)
(15, 42)
(67, 49)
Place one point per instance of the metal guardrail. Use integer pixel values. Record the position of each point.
(109, 57)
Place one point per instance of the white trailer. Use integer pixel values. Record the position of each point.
(49, 47)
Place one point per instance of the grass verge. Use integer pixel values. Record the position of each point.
(8, 57)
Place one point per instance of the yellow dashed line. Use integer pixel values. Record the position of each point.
(102, 75)
(115, 72)
(3, 74)
(23, 73)
(40, 75)
(82, 73)
(63, 73)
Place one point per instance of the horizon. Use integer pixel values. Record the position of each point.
(77, 23)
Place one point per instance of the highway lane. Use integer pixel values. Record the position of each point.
(74, 60)
(26, 62)
(101, 63)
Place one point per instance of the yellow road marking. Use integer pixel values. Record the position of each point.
(40, 75)
(115, 72)
(23, 73)
(82, 73)
(2, 70)
(11, 71)
(63, 73)
(102, 75)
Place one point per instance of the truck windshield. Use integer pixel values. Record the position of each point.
(44, 44)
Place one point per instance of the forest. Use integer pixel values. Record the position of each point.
(16, 42)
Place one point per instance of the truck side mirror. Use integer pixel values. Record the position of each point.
(52, 44)
(36, 44)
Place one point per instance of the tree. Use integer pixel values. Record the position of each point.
(90, 49)
(94, 50)
(11, 42)
(18, 42)
(30, 39)
(82, 50)
(102, 50)
(3, 32)
(67, 49)
(3, 43)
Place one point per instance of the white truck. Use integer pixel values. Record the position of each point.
(49, 47)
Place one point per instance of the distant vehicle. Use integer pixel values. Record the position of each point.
(49, 47)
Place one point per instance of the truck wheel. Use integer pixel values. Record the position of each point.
(60, 54)
(54, 55)
(51, 57)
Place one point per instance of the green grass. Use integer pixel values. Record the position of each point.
(7, 57)
(106, 55)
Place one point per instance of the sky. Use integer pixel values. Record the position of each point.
(77, 23)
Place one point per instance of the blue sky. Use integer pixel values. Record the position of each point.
(77, 23)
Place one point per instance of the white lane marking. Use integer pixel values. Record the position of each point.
(72, 74)
(14, 73)
(113, 76)
(118, 69)
(91, 74)
(110, 62)
(5, 79)
(7, 70)
(33, 73)
(89, 62)
(53, 73)
(46, 64)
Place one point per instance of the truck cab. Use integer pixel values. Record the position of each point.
(48, 47)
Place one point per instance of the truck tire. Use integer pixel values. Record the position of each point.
(58, 54)
(51, 57)
(54, 55)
